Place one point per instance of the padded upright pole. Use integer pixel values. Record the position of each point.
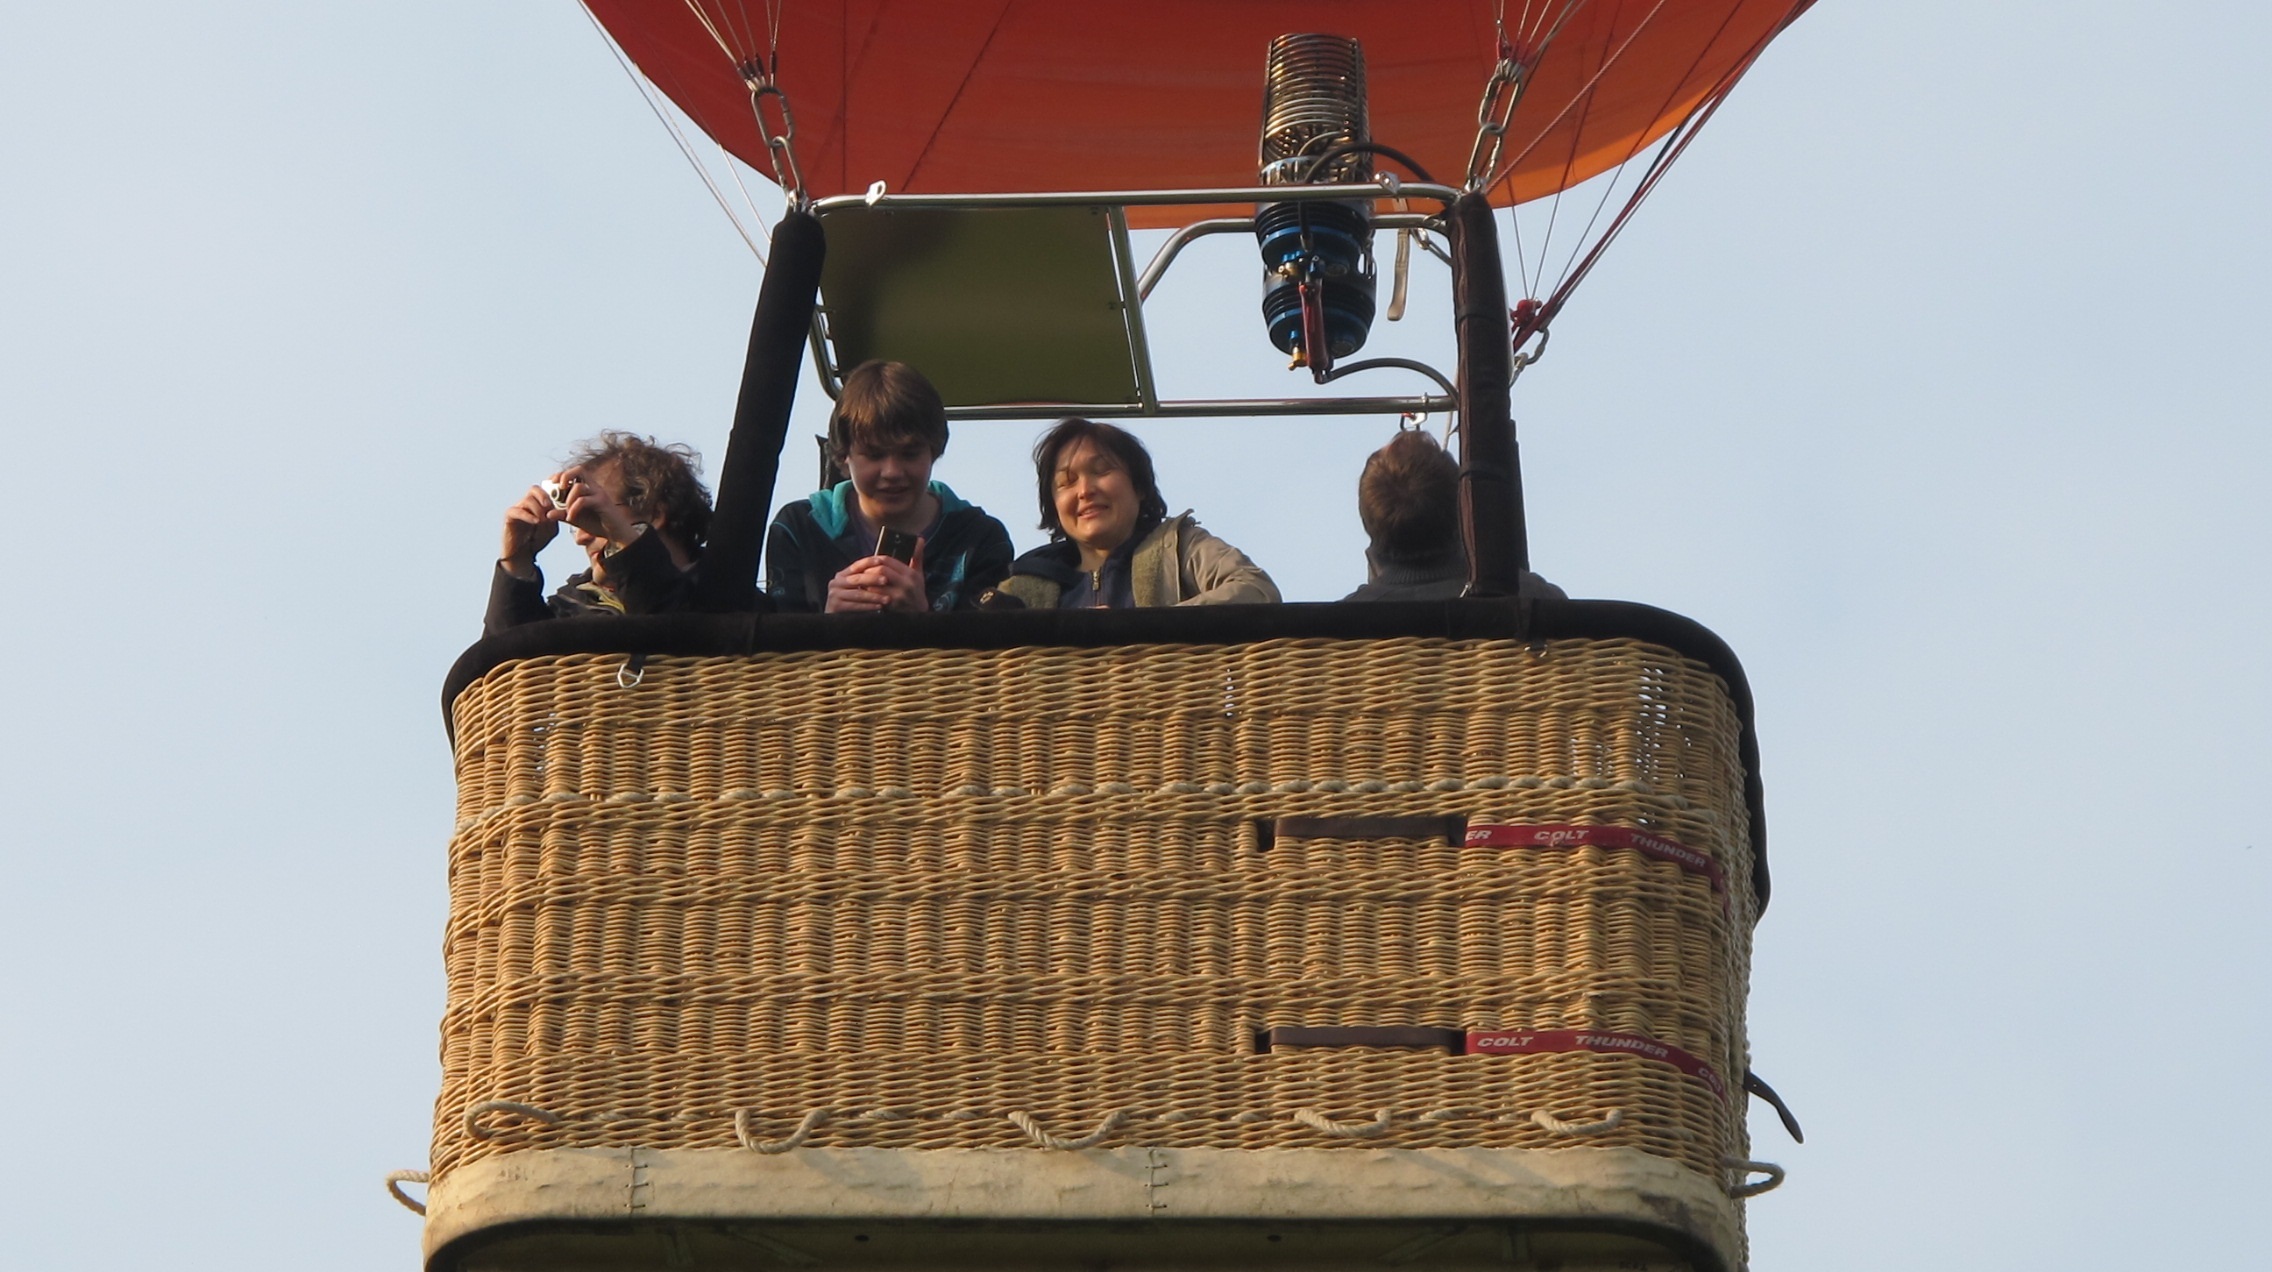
(1490, 468)
(761, 415)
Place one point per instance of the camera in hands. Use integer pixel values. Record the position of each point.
(898, 545)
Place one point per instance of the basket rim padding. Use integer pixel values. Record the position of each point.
(584, 1190)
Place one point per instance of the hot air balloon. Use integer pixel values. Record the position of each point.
(1317, 935)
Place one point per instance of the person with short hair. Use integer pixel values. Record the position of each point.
(1112, 544)
(888, 428)
(1408, 500)
(636, 507)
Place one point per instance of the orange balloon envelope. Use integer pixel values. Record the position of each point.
(1016, 96)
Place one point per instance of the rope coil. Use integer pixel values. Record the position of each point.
(1042, 1138)
(473, 1113)
(1553, 1125)
(397, 1178)
(1738, 1190)
(1324, 1125)
(813, 1121)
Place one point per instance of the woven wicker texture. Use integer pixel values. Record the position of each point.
(948, 898)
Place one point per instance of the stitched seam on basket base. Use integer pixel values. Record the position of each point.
(1524, 1042)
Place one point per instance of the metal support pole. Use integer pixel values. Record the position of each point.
(1490, 468)
(777, 336)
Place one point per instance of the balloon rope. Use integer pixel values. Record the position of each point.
(1561, 185)
(1609, 188)
(1534, 37)
(1512, 77)
(1584, 102)
(1522, 257)
(702, 16)
(744, 29)
(1584, 93)
(647, 93)
(1675, 143)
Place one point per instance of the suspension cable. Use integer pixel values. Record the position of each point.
(1503, 92)
(1609, 188)
(1518, 58)
(702, 16)
(1584, 93)
(1531, 317)
(647, 93)
(761, 71)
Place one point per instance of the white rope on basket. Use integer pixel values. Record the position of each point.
(1324, 1125)
(474, 1128)
(397, 1178)
(1553, 1125)
(1775, 1175)
(813, 1121)
(1041, 1137)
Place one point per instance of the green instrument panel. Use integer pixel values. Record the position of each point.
(996, 305)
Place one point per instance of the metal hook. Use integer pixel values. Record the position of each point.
(1492, 114)
(780, 144)
(1522, 361)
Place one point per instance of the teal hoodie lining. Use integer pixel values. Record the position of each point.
(832, 507)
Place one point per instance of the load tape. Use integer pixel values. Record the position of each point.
(1523, 1042)
(1491, 1042)
(1640, 841)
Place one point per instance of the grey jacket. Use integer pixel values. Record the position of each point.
(1440, 577)
(1178, 563)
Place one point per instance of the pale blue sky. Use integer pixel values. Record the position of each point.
(1930, 380)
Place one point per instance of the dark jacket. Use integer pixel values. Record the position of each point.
(646, 581)
(1441, 577)
(967, 553)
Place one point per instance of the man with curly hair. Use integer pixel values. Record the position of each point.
(638, 510)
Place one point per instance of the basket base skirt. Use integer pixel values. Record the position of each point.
(1032, 1209)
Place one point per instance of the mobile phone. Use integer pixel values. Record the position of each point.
(897, 544)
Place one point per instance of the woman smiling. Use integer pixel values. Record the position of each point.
(1112, 544)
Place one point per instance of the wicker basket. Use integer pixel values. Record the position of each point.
(1036, 898)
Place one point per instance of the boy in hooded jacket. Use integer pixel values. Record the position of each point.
(888, 428)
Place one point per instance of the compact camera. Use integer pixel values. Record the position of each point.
(557, 492)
